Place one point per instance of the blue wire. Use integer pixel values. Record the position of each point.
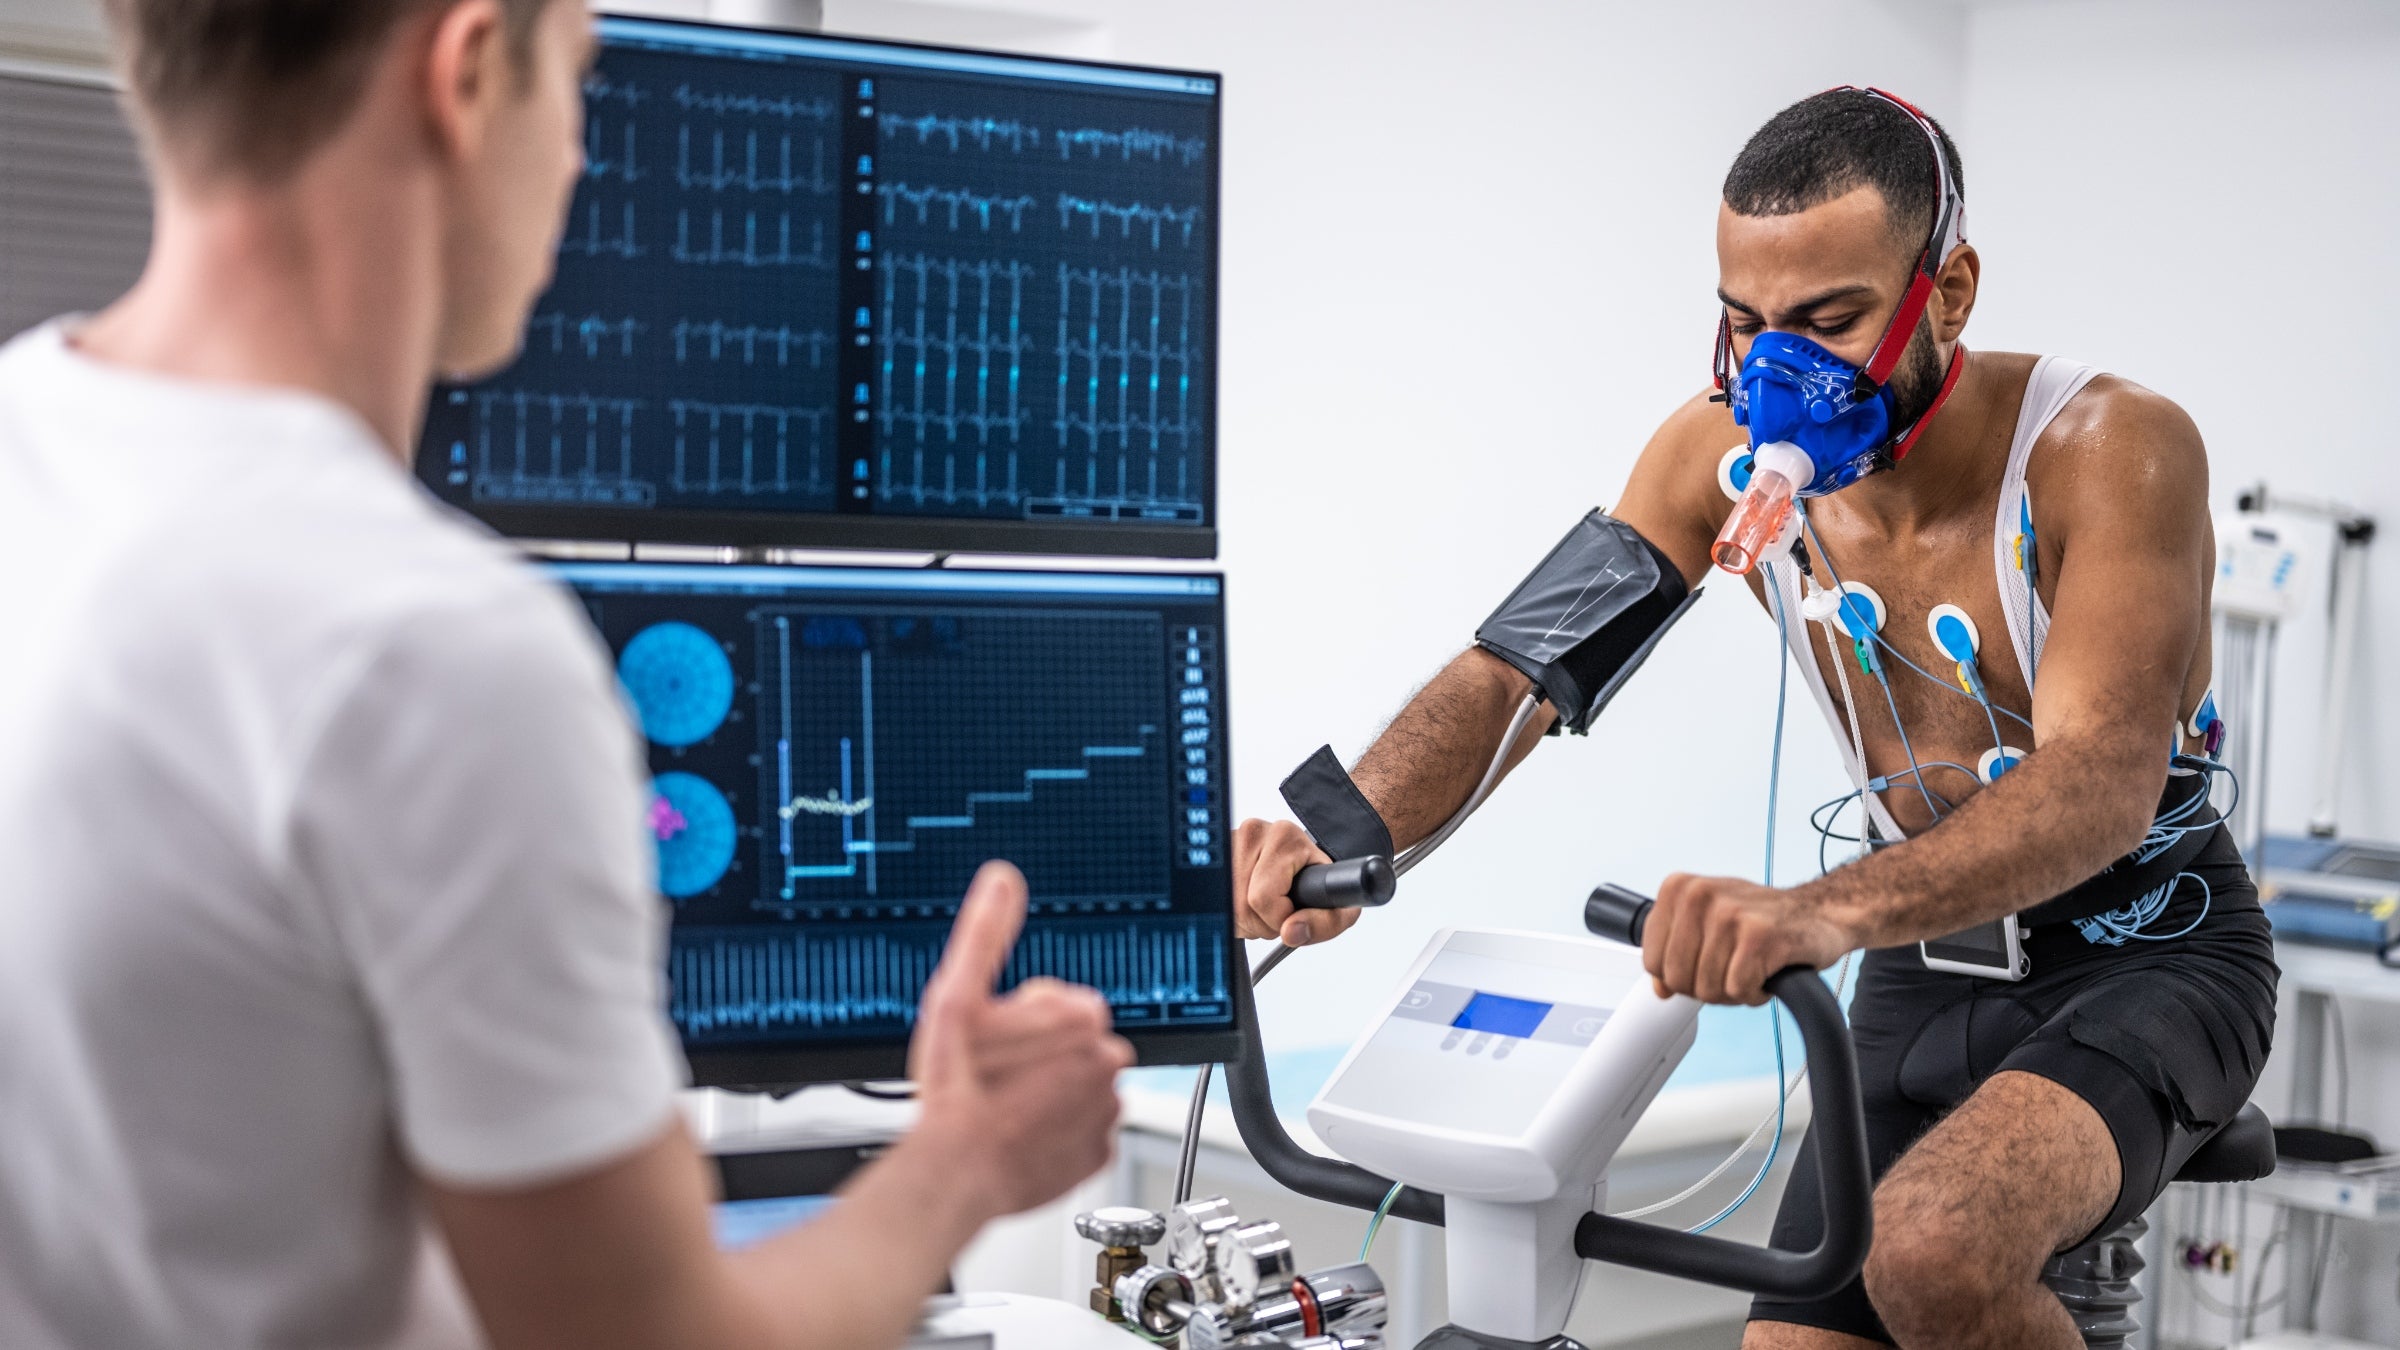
(1783, 668)
(2142, 913)
(1824, 827)
(1916, 772)
(1988, 706)
(2120, 924)
(1879, 640)
(1997, 743)
(1774, 1141)
(1877, 668)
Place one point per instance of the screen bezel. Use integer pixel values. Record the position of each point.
(835, 1061)
(2007, 963)
(918, 534)
(791, 1172)
(2367, 864)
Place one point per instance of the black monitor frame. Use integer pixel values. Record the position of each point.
(921, 534)
(780, 1068)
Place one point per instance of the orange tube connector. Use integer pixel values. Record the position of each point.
(1777, 473)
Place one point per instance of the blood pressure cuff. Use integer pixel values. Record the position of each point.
(1587, 616)
(1333, 811)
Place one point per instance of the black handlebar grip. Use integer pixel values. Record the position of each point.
(1347, 884)
(1845, 1185)
(1616, 913)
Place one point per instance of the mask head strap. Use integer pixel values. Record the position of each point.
(1949, 228)
(1908, 438)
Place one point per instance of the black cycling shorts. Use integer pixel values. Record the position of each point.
(2165, 1039)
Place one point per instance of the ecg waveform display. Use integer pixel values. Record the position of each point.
(968, 294)
(748, 983)
(1045, 324)
(834, 754)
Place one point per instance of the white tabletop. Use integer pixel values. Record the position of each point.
(1016, 1322)
(2333, 970)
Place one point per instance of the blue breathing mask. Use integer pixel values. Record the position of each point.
(1790, 389)
(1812, 415)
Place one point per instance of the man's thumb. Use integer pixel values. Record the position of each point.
(981, 938)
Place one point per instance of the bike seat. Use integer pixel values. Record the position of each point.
(2242, 1150)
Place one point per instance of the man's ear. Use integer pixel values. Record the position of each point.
(465, 74)
(1954, 290)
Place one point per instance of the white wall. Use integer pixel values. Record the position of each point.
(1468, 268)
(2202, 196)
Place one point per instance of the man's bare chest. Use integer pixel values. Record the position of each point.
(1909, 691)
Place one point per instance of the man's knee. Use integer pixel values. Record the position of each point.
(1932, 1257)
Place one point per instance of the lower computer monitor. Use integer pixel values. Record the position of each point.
(771, 1185)
(834, 751)
(766, 1190)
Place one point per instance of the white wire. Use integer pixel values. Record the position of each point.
(1423, 848)
(1858, 743)
(1189, 1154)
(1799, 1076)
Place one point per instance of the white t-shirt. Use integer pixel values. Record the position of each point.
(320, 860)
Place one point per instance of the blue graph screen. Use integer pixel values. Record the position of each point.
(875, 735)
(850, 285)
(743, 1223)
(1502, 1016)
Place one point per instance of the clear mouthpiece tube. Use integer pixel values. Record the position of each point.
(1777, 473)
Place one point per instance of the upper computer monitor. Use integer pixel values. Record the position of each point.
(827, 292)
(835, 751)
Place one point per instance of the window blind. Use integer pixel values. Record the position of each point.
(74, 206)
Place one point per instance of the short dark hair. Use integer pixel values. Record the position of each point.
(1831, 143)
(247, 88)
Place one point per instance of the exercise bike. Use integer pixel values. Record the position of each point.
(1488, 1099)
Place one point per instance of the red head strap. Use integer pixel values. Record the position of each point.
(1949, 228)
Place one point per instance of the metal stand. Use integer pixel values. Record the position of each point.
(2353, 530)
(2096, 1283)
(800, 16)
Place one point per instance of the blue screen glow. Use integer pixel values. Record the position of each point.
(739, 1223)
(1502, 1016)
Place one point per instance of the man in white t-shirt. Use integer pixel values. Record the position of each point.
(329, 952)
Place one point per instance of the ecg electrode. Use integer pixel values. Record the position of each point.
(963, 288)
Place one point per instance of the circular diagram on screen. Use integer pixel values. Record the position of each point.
(693, 826)
(679, 680)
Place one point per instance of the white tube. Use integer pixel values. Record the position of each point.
(2349, 581)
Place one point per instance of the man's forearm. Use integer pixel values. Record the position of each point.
(1424, 765)
(2011, 846)
(855, 1276)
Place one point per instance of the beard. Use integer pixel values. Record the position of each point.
(1918, 380)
